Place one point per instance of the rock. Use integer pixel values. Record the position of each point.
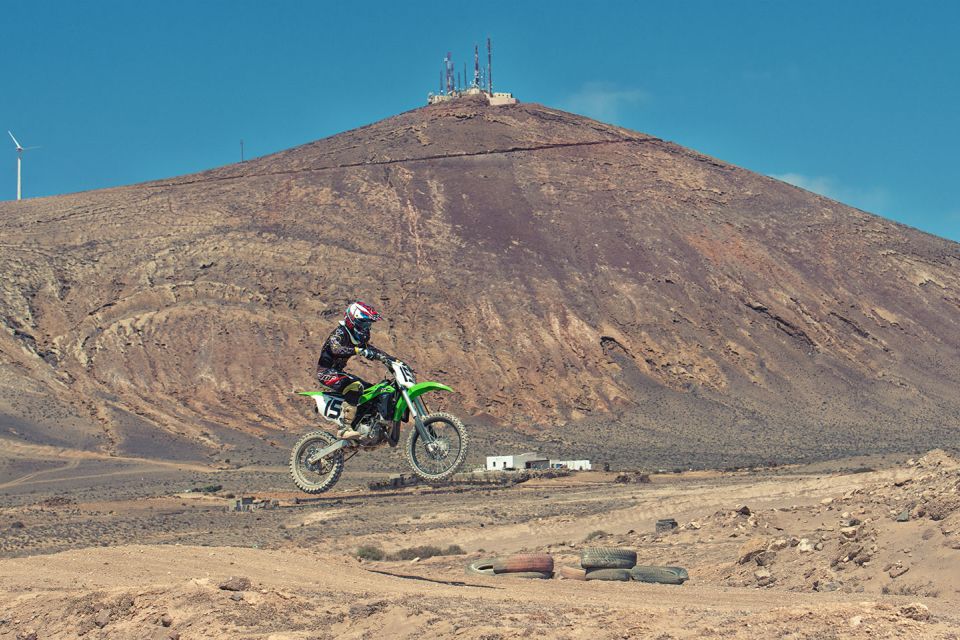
(915, 611)
(235, 583)
(826, 585)
(750, 549)
(826, 501)
(765, 559)
(904, 516)
(855, 621)
(174, 635)
(850, 532)
(849, 522)
(27, 635)
(818, 546)
(166, 620)
(794, 541)
(804, 546)
(102, 618)
(896, 572)
(764, 577)
(901, 478)
(85, 627)
(744, 510)
(665, 525)
(778, 544)
(236, 597)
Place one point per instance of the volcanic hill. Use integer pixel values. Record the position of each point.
(575, 282)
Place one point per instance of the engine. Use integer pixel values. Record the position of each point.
(371, 429)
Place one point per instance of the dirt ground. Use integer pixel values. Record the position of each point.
(122, 548)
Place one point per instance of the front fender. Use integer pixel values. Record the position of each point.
(417, 390)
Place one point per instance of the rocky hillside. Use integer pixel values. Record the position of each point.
(550, 267)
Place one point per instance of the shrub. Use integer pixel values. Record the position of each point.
(425, 551)
(370, 552)
(599, 533)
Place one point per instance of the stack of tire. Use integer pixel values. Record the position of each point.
(518, 565)
(614, 563)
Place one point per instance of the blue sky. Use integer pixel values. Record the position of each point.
(855, 100)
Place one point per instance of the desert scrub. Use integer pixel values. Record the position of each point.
(599, 533)
(370, 552)
(425, 551)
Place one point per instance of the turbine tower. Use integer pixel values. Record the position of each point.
(20, 150)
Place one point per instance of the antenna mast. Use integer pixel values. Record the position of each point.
(476, 65)
(489, 67)
(449, 64)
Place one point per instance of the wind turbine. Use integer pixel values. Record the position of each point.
(20, 151)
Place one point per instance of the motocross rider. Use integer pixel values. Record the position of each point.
(350, 338)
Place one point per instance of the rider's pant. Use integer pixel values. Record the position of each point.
(347, 385)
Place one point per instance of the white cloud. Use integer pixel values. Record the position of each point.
(869, 199)
(603, 100)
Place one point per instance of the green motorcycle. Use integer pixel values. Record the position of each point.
(436, 445)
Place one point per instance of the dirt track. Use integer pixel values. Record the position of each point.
(308, 595)
(166, 552)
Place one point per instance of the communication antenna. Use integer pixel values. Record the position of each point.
(449, 64)
(241, 149)
(20, 150)
(489, 67)
(476, 65)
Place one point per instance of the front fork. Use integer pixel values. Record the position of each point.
(418, 410)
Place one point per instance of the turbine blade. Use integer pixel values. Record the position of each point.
(14, 140)
(33, 147)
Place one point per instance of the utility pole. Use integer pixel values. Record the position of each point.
(241, 149)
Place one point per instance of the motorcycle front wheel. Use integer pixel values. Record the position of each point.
(441, 458)
(318, 477)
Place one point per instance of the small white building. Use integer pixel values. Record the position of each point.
(500, 98)
(520, 461)
(572, 465)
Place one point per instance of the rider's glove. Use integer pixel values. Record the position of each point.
(369, 354)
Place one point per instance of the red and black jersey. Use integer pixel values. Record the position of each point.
(340, 346)
(338, 349)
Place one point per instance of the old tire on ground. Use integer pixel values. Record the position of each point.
(319, 477)
(542, 575)
(623, 575)
(448, 452)
(607, 558)
(482, 567)
(572, 573)
(661, 575)
(524, 562)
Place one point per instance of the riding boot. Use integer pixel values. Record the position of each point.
(349, 412)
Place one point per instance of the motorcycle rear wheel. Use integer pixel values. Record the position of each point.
(448, 453)
(318, 477)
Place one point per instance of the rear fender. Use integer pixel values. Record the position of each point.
(416, 391)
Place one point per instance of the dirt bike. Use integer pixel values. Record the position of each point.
(436, 445)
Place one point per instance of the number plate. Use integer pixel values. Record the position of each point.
(405, 377)
(330, 407)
